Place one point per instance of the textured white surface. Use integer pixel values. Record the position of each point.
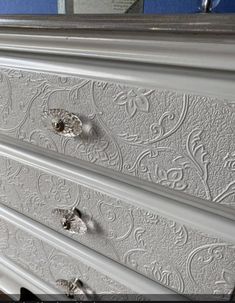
(178, 256)
(50, 264)
(13, 277)
(164, 123)
(205, 219)
(80, 254)
(182, 141)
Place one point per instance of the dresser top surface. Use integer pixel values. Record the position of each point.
(223, 24)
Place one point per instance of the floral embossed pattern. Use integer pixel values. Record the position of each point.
(50, 264)
(181, 141)
(179, 257)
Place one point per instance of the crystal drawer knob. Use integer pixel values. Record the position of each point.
(73, 287)
(71, 220)
(63, 122)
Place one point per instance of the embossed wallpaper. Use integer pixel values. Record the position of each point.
(179, 140)
(180, 257)
(50, 264)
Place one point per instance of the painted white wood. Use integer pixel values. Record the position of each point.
(168, 138)
(124, 276)
(190, 51)
(117, 229)
(191, 65)
(164, 76)
(13, 277)
(221, 224)
(50, 264)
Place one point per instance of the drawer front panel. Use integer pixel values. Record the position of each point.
(50, 264)
(182, 141)
(179, 257)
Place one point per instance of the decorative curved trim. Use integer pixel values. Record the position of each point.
(210, 247)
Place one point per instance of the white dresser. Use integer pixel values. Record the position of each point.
(117, 162)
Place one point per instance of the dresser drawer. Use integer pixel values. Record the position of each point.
(180, 257)
(179, 140)
(56, 267)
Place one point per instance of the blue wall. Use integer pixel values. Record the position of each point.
(171, 6)
(185, 6)
(225, 6)
(28, 7)
(150, 6)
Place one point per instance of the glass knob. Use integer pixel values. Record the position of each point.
(72, 287)
(63, 122)
(71, 220)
